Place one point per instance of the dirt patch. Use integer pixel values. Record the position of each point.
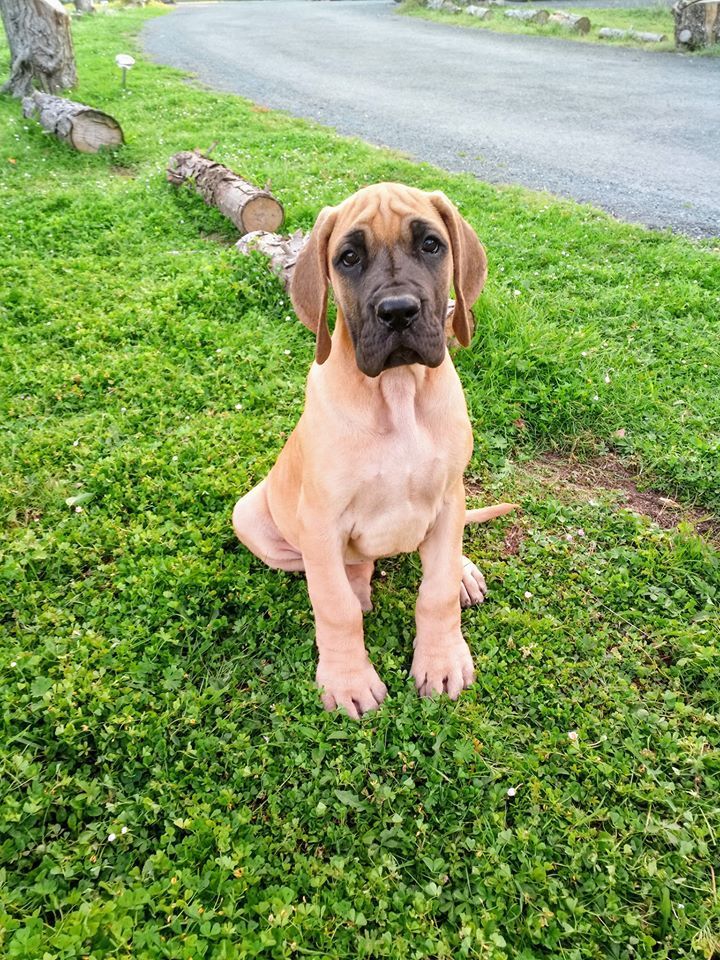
(610, 474)
(514, 539)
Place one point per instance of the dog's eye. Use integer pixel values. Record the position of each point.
(430, 245)
(349, 258)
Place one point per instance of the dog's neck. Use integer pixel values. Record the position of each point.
(391, 398)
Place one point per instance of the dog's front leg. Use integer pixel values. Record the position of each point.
(442, 662)
(345, 675)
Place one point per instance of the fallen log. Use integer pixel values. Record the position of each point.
(530, 16)
(281, 251)
(645, 37)
(482, 13)
(81, 127)
(570, 21)
(610, 33)
(697, 24)
(248, 207)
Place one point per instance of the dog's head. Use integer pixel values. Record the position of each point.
(390, 253)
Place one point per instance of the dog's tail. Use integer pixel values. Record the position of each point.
(489, 513)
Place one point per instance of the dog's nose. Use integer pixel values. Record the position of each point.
(398, 312)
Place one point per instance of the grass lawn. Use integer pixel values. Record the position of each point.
(170, 785)
(656, 19)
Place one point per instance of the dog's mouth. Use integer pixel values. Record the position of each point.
(402, 356)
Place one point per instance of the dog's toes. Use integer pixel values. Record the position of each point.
(473, 587)
(442, 670)
(356, 691)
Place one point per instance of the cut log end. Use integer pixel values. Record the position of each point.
(93, 131)
(262, 212)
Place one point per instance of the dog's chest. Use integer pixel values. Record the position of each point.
(400, 488)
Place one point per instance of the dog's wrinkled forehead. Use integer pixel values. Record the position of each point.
(383, 213)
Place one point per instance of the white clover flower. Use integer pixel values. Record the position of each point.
(13, 663)
(511, 791)
(573, 735)
(111, 837)
(123, 830)
(78, 510)
(527, 595)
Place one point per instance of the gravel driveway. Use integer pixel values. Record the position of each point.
(634, 132)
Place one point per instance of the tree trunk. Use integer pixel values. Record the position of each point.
(570, 21)
(248, 207)
(697, 24)
(531, 16)
(83, 128)
(41, 50)
(84, 6)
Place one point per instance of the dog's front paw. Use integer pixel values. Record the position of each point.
(442, 667)
(355, 687)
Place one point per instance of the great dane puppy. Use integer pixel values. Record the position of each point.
(375, 464)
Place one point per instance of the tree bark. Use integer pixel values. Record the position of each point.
(570, 21)
(697, 24)
(281, 251)
(83, 128)
(248, 207)
(531, 16)
(41, 50)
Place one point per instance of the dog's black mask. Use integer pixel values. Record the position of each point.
(394, 296)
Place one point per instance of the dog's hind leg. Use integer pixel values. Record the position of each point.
(472, 586)
(255, 527)
(360, 575)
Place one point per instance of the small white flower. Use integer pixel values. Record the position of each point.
(76, 443)
(528, 595)
(13, 663)
(569, 536)
(78, 510)
(174, 458)
(287, 318)
(286, 352)
(123, 830)
(583, 353)
(572, 735)
(511, 791)
(607, 378)
(238, 406)
(516, 293)
(111, 837)
(596, 398)
(123, 409)
(580, 532)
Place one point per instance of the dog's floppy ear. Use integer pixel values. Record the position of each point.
(469, 266)
(309, 286)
